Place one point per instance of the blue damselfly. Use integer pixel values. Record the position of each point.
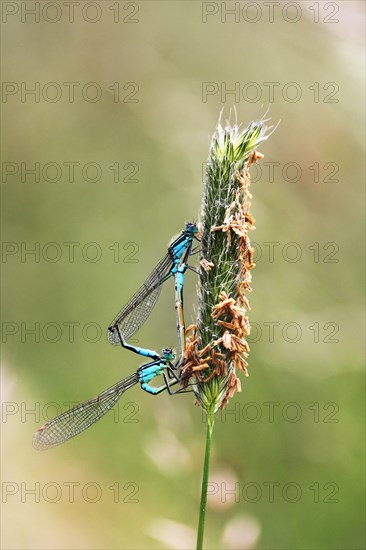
(82, 416)
(174, 264)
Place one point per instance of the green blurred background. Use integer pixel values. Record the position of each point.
(290, 447)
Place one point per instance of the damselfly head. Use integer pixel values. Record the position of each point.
(168, 353)
(191, 228)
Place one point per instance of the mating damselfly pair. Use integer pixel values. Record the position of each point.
(124, 326)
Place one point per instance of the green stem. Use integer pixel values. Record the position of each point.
(206, 466)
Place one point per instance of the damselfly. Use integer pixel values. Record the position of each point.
(137, 310)
(84, 415)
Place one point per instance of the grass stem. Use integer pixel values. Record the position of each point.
(206, 468)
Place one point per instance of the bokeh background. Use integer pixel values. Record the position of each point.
(287, 461)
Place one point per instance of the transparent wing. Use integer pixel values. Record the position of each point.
(138, 309)
(80, 417)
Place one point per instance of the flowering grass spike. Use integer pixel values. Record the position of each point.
(216, 346)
